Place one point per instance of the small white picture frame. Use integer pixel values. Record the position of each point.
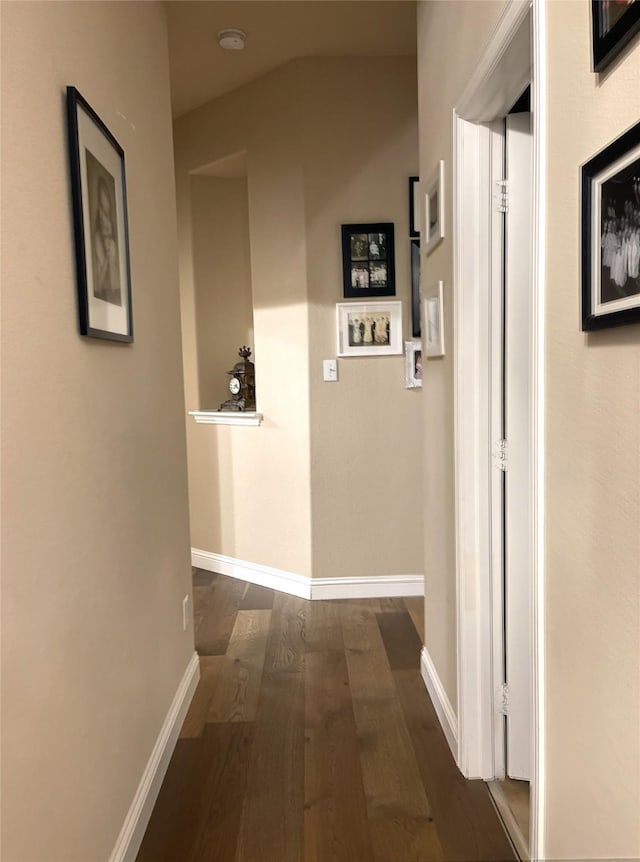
(433, 324)
(413, 364)
(369, 328)
(433, 220)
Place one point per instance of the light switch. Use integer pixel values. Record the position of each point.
(330, 370)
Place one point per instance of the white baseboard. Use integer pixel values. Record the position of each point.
(139, 814)
(374, 587)
(441, 703)
(264, 576)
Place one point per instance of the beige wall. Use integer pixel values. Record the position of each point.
(366, 430)
(222, 270)
(592, 613)
(445, 31)
(95, 546)
(270, 495)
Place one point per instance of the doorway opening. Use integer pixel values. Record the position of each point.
(498, 249)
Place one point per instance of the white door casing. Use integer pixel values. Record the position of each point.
(518, 413)
(514, 55)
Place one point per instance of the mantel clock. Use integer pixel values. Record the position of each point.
(242, 384)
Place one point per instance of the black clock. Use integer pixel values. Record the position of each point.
(242, 384)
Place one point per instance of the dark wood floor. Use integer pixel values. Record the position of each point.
(311, 738)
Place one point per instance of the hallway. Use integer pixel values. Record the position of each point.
(311, 737)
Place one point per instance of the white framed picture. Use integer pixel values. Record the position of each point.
(433, 221)
(413, 364)
(433, 327)
(369, 328)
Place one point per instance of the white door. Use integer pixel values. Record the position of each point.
(518, 436)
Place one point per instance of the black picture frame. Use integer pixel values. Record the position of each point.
(611, 234)
(368, 260)
(613, 26)
(101, 231)
(415, 289)
(413, 202)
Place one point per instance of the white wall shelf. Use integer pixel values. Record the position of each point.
(226, 417)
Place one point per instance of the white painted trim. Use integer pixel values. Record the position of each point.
(488, 95)
(264, 576)
(137, 819)
(441, 702)
(376, 586)
(537, 848)
(488, 88)
(472, 487)
(226, 417)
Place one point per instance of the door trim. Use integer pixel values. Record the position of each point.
(488, 95)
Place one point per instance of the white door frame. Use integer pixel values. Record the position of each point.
(514, 56)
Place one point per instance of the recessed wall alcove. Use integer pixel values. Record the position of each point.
(221, 271)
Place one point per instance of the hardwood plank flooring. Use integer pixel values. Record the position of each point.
(311, 738)
(238, 689)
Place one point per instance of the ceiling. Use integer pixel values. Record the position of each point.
(277, 31)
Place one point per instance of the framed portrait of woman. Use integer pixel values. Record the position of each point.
(98, 190)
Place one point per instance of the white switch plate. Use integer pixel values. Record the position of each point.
(185, 613)
(330, 370)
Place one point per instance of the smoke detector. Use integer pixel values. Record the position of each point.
(232, 39)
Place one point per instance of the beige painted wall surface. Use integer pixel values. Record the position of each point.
(311, 167)
(592, 613)
(222, 267)
(95, 544)
(445, 31)
(249, 487)
(366, 430)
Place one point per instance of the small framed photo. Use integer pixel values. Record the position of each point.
(414, 207)
(368, 260)
(415, 288)
(369, 328)
(433, 231)
(101, 230)
(611, 234)
(614, 23)
(412, 365)
(433, 329)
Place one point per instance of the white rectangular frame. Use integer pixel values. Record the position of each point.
(433, 320)
(369, 346)
(412, 377)
(434, 194)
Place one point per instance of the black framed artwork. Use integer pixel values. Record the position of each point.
(99, 196)
(414, 202)
(368, 260)
(611, 234)
(614, 23)
(415, 288)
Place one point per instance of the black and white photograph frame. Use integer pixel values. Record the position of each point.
(613, 26)
(413, 364)
(369, 328)
(433, 219)
(415, 288)
(433, 324)
(368, 260)
(611, 234)
(414, 207)
(98, 190)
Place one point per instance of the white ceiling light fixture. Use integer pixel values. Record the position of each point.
(232, 39)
